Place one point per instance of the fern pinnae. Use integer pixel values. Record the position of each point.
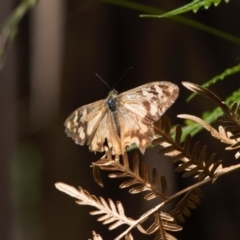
(96, 176)
(170, 147)
(235, 136)
(96, 236)
(162, 225)
(234, 108)
(110, 212)
(193, 159)
(228, 134)
(234, 146)
(231, 115)
(154, 178)
(136, 178)
(195, 153)
(129, 237)
(167, 126)
(215, 168)
(210, 160)
(157, 224)
(153, 194)
(191, 171)
(163, 182)
(167, 150)
(187, 203)
(208, 94)
(183, 166)
(178, 157)
(221, 134)
(198, 157)
(125, 161)
(232, 128)
(178, 134)
(136, 164)
(194, 6)
(203, 155)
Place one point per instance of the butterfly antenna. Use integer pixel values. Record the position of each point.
(103, 81)
(122, 77)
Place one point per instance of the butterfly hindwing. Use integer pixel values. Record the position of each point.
(107, 129)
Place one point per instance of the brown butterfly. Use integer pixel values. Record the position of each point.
(122, 119)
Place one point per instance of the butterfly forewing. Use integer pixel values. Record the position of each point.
(139, 108)
(129, 121)
(84, 121)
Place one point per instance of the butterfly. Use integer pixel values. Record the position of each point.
(123, 119)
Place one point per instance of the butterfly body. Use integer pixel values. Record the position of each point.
(122, 119)
(111, 100)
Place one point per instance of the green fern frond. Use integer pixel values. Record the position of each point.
(221, 76)
(193, 6)
(10, 28)
(155, 12)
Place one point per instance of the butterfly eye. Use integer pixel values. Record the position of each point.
(126, 147)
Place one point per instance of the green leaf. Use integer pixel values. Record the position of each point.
(10, 28)
(220, 77)
(194, 6)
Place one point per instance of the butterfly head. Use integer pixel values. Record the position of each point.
(111, 100)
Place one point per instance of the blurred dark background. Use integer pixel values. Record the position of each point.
(49, 72)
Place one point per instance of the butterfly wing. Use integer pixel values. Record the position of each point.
(107, 129)
(139, 108)
(91, 124)
(132, 122)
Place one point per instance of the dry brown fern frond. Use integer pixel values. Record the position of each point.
(96, 236)
(229, 133)
(189, 202)
(208, 94)
(113, 214)
(193, 158)
(139, 180)
(129, 237)
(110, 212)
(231, 123)
(162, 225)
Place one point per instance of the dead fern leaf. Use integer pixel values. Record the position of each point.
(129, 237)
(96, 236)
(189, 202)
(96, 176)
(208, 94)
(111, 213)
(161, 225)
(232, 127)
(139, 180)
(230, 119)
(193, 158)
(221, 134)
